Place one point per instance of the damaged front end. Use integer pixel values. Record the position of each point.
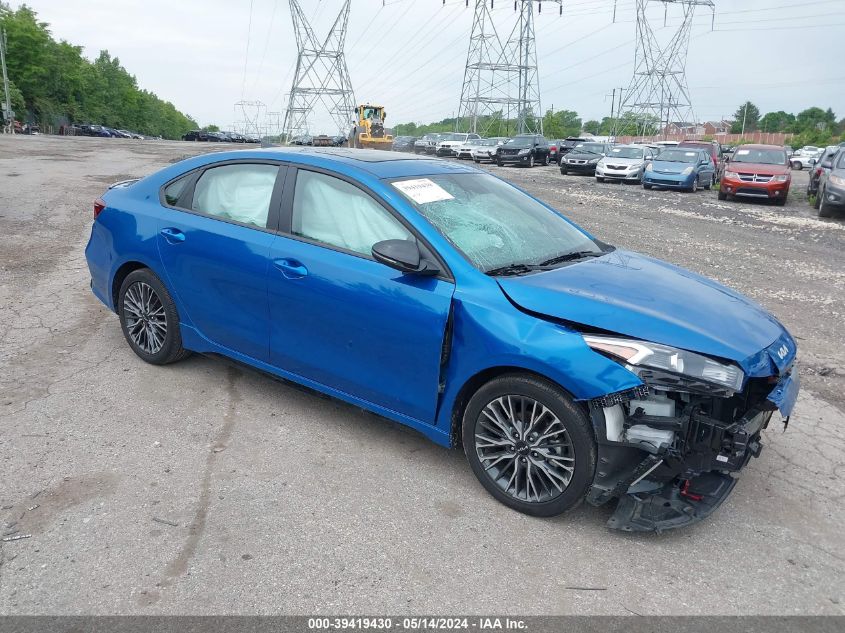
(668, 450)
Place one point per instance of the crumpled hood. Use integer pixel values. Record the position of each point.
(645, 298)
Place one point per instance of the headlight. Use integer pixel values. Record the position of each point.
(687, 171)
(523, 152)
(649, 167)
(837, 180)
(595, 161)
(782, 178)
(671, 359)
(732, 175)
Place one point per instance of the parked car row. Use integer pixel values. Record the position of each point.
(103, 132)
(321, 140)
(219, 137)
(827, 181)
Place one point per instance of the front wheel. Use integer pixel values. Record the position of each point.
(599, 179)
(563, 170)
(646, 185)
(529, 445)
(723, 195)
(531, 160)
(694, 187)
(149, 319)
(546, 160)
(500, 163)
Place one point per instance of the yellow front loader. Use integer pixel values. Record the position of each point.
(370, 124)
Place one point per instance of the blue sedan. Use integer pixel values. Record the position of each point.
(445, 299)
(680, 168)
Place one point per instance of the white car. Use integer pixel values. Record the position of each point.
(447, 145)
(486, 148)
(624, 162)
(464, 150)
(805, 157)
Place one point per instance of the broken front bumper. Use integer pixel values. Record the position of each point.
(672, 485)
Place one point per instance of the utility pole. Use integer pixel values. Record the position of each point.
(7, 101)
(659, 83)
(501, 74)
(321, 74)
(744, 115)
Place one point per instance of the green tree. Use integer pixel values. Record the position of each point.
(561, 124)
(815, 120)
(57, 84)
(746, 118)
(779, 121)
(592, 126)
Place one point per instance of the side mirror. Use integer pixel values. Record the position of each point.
(827, 164)
(404, 256)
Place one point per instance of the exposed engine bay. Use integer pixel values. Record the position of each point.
(667, 450)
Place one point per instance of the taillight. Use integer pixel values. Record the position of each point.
(99, 205)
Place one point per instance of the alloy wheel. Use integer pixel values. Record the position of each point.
(524, 448)
(146, 320)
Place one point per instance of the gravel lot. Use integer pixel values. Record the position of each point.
(205, 488)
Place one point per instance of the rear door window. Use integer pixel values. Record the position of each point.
(240, 192)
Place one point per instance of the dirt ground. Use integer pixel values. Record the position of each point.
(204, 488)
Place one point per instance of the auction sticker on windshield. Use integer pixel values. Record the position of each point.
(743, 152)
(423, 190)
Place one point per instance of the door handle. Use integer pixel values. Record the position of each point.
(174, 236)
(291, 268)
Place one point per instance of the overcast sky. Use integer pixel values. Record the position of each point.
(203, 55)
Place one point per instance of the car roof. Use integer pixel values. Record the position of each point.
(760, 146)
(378, 163)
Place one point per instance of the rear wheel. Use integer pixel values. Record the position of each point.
(149, 319)
(529, 445)
(824, 207)
(796, 165)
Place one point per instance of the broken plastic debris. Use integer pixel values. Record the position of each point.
(165, 521)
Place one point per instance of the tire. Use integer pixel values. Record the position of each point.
(780, 202)
(599, 179)
(563, 170)
(500, 163)
(824, 208)
(546, 160)
(797, 165)
(723, 196)
(694, 187)
(476, 161)
(646, 186)
(569, 459)
(817, 200)
(142, 294)
(531, 160)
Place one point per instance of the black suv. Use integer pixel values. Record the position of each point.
(524, 149)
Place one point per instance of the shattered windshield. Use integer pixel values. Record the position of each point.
(494, 224)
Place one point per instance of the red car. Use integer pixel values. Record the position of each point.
(711, 147)
(757, 171)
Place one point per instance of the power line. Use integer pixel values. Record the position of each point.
(246, 57)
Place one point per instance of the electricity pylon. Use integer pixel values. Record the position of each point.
(658, 93)
(500, 79)
(321, 74)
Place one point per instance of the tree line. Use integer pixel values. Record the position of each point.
(52, 84)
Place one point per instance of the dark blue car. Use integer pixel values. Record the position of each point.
(443, 298)
(680, 168)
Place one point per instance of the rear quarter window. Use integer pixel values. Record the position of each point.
(174, 190)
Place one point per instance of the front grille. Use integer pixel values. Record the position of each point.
(755, 177)
(510, 152)
(616, 166)
(575, 161)
(751, 192)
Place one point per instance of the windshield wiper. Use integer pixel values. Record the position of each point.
(584, 151)
(512, 269)
(568, 257)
